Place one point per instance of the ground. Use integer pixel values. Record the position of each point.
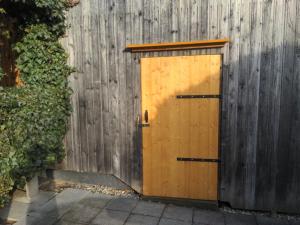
(83, 207)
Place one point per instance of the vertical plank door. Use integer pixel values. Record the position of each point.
(180, 99)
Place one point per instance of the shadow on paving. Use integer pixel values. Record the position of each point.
(81, 207)
(45, 209)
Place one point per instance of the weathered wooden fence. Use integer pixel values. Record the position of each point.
(260, 91)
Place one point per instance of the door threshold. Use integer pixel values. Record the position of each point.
(202, 204)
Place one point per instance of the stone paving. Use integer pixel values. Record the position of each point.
(79, 207)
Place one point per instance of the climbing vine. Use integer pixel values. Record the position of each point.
(34, 114)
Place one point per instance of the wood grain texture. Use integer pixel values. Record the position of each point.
(260, 89)
(185, 128)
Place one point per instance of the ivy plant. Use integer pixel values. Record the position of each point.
(33, 116)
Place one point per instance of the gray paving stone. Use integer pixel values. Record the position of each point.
(149, 208)
(37, 201)
(81, 214)
(122, 204)
(239, 219)
(63, 202)
(135, 219)
(208, 217)
(110, 217)
(15, 211)
(264, 220)
(20, 206)
(165, 221)
(178, 213)
(61, 222)
(36, 219)
(294, 222)
(95, 200)
(202, 224)
(72, 193)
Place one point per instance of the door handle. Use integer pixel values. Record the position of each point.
(146, 116)
(146, 119)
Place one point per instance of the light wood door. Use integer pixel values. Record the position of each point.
(180, 140)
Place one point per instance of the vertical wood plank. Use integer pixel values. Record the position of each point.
(81, 158)
(245, 149)
(90, 147)
(284, 190)
(121, 71)
(105, 86)
(184, 22)
(295, 137)
(224, 135)
(265, 150)
(164, 21)
(194, 24)
(135, 155)
(233, 172)
(68, 44)
(97, 86)
(212, 22)
(129, 87)
(252, 99)
(174, 30)
(113, 86)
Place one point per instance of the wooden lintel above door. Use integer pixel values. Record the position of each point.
(177, 46)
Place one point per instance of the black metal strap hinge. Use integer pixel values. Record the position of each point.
(197, 160)
(197, 96)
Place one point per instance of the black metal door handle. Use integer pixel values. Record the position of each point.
(146, 116)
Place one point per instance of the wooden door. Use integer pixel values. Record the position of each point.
(180, 96)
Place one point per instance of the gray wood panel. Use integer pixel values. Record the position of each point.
(260, 90)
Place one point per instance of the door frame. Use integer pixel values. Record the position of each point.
(140, 128)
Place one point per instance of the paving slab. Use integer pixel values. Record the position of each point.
(36, 219)
(122, 204)
(135, 219)
(148, 208)
(95, 200)
(265, 220)
(62, 202)
(208, 217)
(80, 207)
(20, 206)
(110, 217)
(81, 214)
(165, 221)
(61, 222)
(178, 213)
(40, 199)
(15, 211)
(72, 193)
(294, 222)
(239, 219)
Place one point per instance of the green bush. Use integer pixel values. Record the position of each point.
(33, 117)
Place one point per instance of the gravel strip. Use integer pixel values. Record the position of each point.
(59, 186)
